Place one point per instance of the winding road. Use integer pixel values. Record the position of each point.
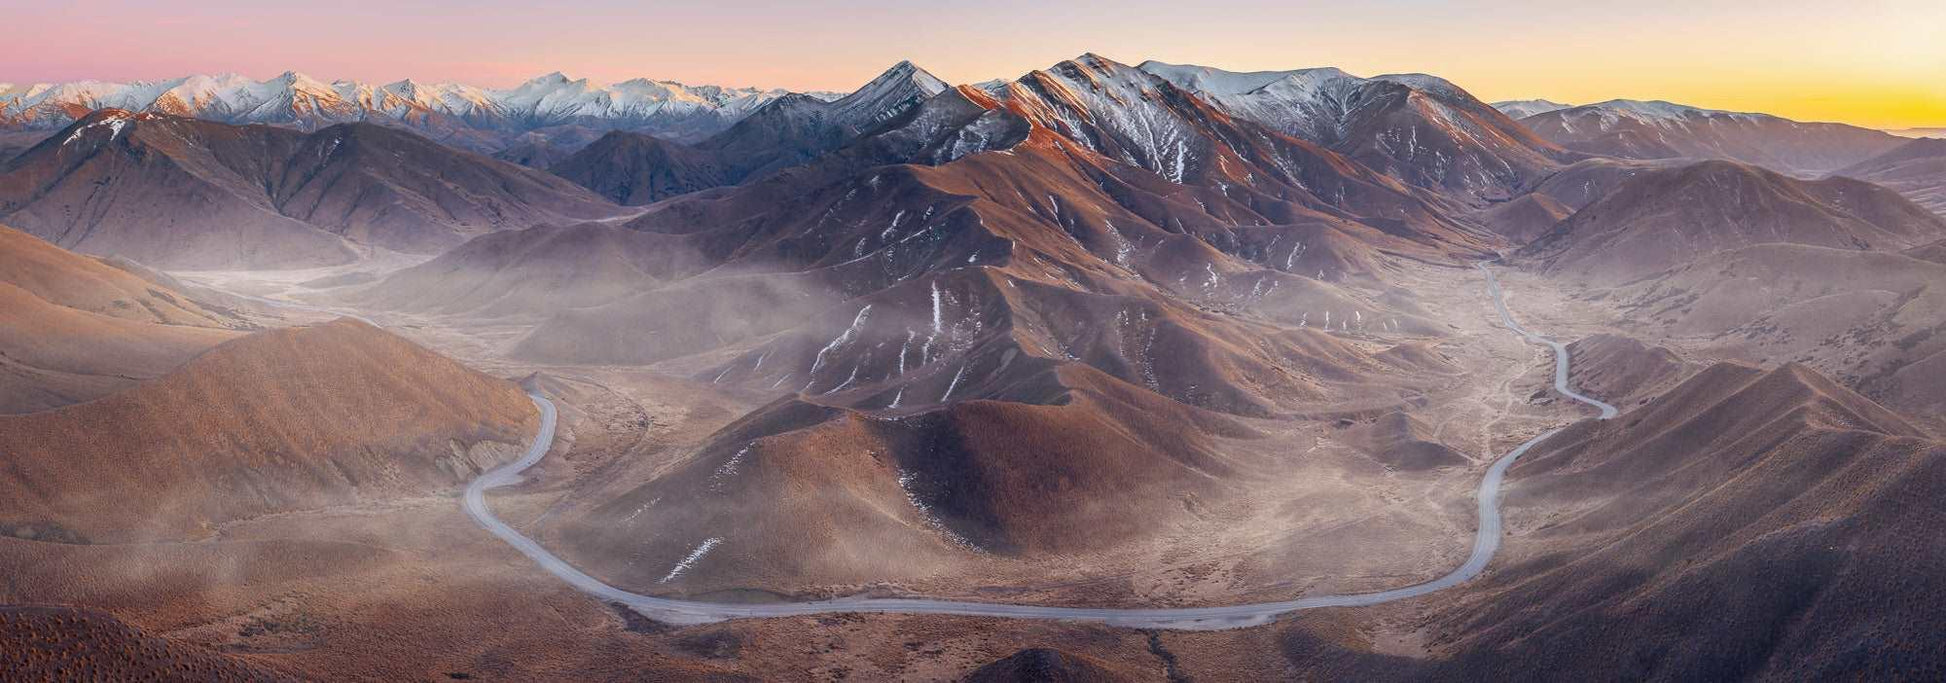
(1485, 542)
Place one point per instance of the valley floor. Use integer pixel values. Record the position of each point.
(415, 590)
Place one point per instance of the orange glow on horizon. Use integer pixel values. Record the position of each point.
(1878, 63)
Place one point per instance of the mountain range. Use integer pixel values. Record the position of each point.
(1654, 129)
(1419, 128)
(178, 192)
(1103, 333)
(440, 110)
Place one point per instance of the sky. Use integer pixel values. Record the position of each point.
(1879, 63)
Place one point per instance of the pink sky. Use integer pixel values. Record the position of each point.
(1873, 62)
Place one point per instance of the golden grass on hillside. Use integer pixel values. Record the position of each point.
(278, 420)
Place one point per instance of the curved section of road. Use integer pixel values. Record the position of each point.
(1486, 541)
(1560, 349)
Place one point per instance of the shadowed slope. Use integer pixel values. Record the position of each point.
(1667, 217)
(1746, 524)
(1916, 170)
(1633, 129)
(1043, 665)
(801, 494)
(182, 193)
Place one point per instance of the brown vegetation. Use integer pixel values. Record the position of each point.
(1668, 217)
(67, 644)
(73, 328)
(276, 421)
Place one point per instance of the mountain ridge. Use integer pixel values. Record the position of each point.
(292, 98)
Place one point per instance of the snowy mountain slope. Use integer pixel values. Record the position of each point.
(1117, 119)
(1520, 109)
(794, 128)
(786, 131)
(1636, 129)
(1418, 128)
(293, 99)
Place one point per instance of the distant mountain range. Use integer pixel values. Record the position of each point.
(184, 193)
(1654, 129)
(443, 110)
(1916, 169)
(1413, 124)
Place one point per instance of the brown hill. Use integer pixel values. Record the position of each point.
(1666, 217)
(1583, 182)
(1870, 318)
(799, 494)
(74, 328)
(1401, 441)
(184, 193)
(64, 278)
(535, 271)
(1621, 369)
(1916, 169)
(48, 643)
(1746, 525)
(1935, 252)
(1525, 218)
(276, 421)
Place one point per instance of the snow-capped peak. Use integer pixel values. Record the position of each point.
(1652, 112)
(904, 74)
(1307, 84)
(294, 98)
(890, 94)
(1315, 104)
(1427, 83)
(1215, 81)
(1521, 109)
(1656, 109)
